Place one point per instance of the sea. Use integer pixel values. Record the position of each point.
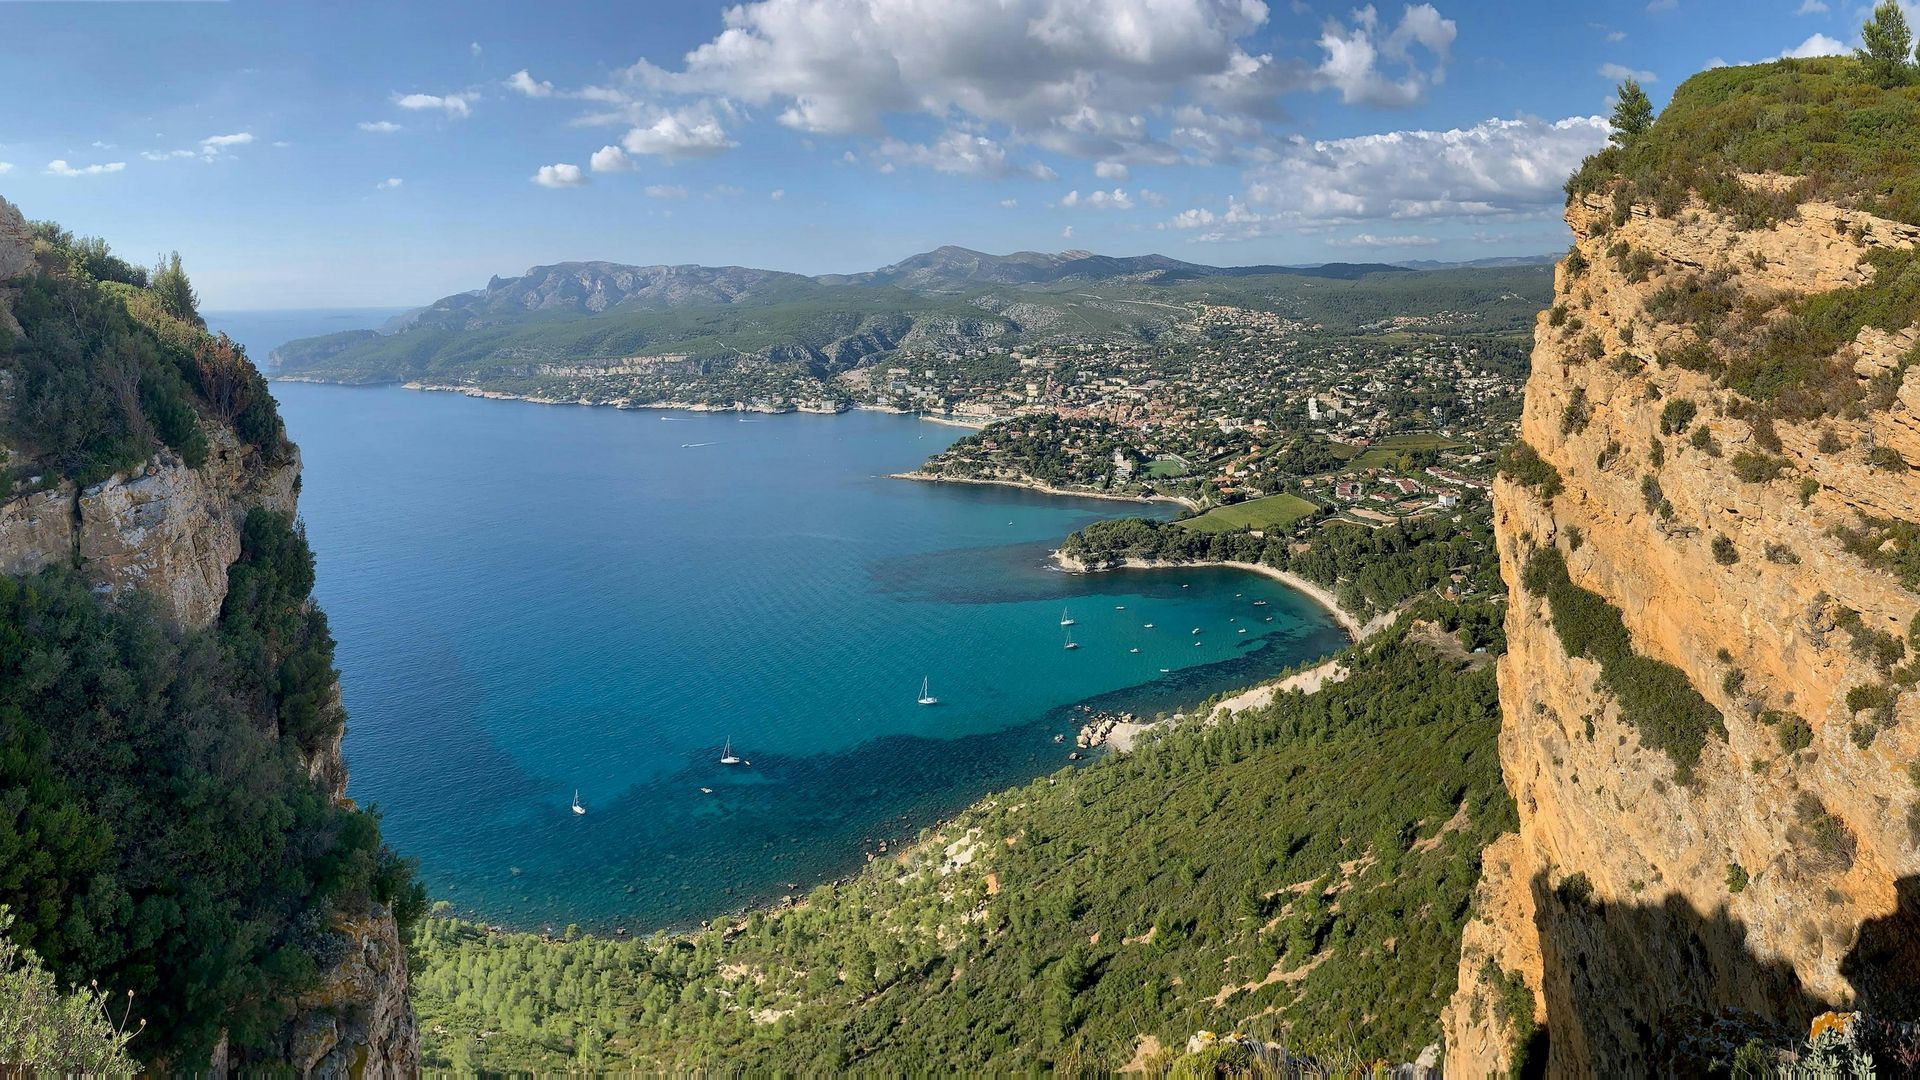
(539, 604)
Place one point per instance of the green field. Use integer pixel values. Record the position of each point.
(1272, 512)
(1166, 468)
(1385, 451)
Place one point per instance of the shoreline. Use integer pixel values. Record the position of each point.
(1044, 489)
(1357, 630)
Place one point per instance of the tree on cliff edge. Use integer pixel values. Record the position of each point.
(171, 288)
(1884, 44)
(1633, 115)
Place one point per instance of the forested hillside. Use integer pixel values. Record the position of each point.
(172, 830)
(1299, 872)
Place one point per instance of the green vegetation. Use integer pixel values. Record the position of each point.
(1524, 465)
(1886, 44)
(1795, 735)
(1736, 878)
(1514, 1004)
(46, 1032)
(1155, 893)
(1655, 697)
(1278, 512)
(1368, 570)
(107, 373)
(1758, 468)
(1402, 451)
(163, 835)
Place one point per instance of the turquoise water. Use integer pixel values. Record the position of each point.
(535, 599)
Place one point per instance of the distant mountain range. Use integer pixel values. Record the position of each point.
(588, 313)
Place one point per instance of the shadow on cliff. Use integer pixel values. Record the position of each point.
(1640, 989)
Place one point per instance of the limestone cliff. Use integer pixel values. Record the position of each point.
(1646, 895)
(172, 531)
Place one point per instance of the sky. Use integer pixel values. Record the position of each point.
(334, 154)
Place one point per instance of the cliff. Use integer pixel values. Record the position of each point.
(172, 532)
(1710, 565)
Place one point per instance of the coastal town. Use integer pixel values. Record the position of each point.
(1256, 420)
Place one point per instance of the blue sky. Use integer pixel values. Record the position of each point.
(338, 154)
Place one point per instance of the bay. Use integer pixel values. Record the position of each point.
(532, 600)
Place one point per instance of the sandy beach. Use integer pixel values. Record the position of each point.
(1357, 630)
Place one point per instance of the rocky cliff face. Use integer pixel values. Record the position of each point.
(172, 532)
(1777, 877)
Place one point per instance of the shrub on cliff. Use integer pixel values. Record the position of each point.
(1523, 465)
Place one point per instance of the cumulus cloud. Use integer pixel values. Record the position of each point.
(1817, 45)
(687, 133)
(1619, 72)
(1005, 204)
(1354, 54)
(1111, 170)
(59, 167)
(610, 159)
(456, 106)
(960, 153)
(1094, 79)
(1811, 7)
(1494, 168)
(167, 155)
(213, 144)
(524, 83)
(562, 175)
(665, 191)
(379, 127)
(1116, 199)
(777, 194)
(1066, 233)
(388, 184)
(6, 166)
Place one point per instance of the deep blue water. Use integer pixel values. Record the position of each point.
(533, 599)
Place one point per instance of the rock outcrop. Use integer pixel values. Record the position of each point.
(172, 532)
(1776, 877)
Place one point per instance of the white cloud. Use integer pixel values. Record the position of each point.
(473, 47)
(777, 194)
(167, 155)
(213, 144)
(1811, 7)
(610, 159)
(1369, 240)
(1093, 79)
(59, 167)
(525, 84)
(562, 175)
(726, 191)
(1066, 233)
(1116, 199)
(1494, 168)
(665, 191)
(388, 184)
(6, 166)
(1817, 45)
(1111, 170)
(960, 153)
(456, 106)
(1005, 204)
(379, 127)
(1619, 72)
(1656, 6)
(688, 133)
(1353, 55)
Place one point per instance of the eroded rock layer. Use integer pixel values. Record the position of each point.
(1648, 895)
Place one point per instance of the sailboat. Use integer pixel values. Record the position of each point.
(926, 698)
(1065, 619)
(1071, 644)
(726, 755)
(577, 808)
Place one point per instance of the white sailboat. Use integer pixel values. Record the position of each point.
(1065, 619)
(726, 755)
(926, 698)
(577, 808)
(1071, 644)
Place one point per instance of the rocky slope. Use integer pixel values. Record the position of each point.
(172, 532)
(1646, 897)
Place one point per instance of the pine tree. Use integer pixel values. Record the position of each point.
(170, 287)
(1633, 115)
(1885, 43)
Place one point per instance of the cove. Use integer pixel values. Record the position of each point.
(532, 600)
